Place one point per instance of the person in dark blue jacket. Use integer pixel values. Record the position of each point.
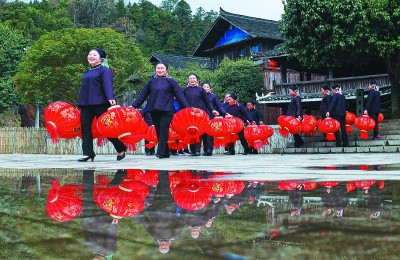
(160, 92)
(294, 109)
(235, 109)
(208, 141)
(95, 97)
(197, 97)
(373, 106)
(254, 113)
(337, 110)
(325, 102)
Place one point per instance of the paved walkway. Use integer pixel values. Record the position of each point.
(262, 166)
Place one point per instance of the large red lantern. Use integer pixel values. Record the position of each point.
(235, 125)
(121, 201)
(350, 118)
(273, 64)
(309, 125)
(64, 203)
(173, 139)
(191, 195)
(190, 123)
(364, 184)
(329, 126)
(289, 124)
(219, 129)
(62, 120)
(257, 136)
(151, 137)
(124, 123)
(329, 185)
(364, 123)
(350, 186)
(176, 177)
(149, 177)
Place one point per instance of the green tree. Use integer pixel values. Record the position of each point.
(241, 77)
(327, 33)
(385, 18)
(13, 46)
(52, 68)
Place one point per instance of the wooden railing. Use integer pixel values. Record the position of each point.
(350, 83)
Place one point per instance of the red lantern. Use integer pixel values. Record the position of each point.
(192, 195)
(150, 177)
(380, 118)
(62, 120)
(350, 186)
(364, 184)
(273, 64)
(381, 185)
(350, 118)
(329, 126)
(309, 125)
(289, 124)
(124, 123)
(151, 137)
(364, 123)
(281, 126)
(219, 129)
(235, 125)
(64, 203)
(234, 187)
(257, 136)
(121, 201)
(329, 184)
(190, 123)
(176, 177)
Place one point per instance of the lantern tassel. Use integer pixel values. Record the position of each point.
(363, 134)
(219, 141)
(330, 137)
(283, 131)
(349, 130)
(258, 144)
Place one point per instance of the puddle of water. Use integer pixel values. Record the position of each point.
(137, 214)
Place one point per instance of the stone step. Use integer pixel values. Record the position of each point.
(334, 149)
(369, 143)
(352, 137)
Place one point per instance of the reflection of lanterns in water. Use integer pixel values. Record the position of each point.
(191, 195)
(64, 202)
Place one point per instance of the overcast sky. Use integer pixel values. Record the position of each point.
(266, 9)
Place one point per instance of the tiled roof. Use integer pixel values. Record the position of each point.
(255, 27)
(179, 61)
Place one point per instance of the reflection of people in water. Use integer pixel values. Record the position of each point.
(296, 199)
(374, 201)
(334, 201)
(97, 227)
(162, 219)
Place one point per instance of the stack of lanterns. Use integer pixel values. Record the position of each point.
(350, 118)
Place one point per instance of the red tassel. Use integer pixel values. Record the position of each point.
(283, 131)
(258, 145)
(349, 130)
(363, 134)
(330, 137)
(219, 141)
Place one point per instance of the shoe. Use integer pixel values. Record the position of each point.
(86, 158)
(378, 137)
(345, 144)
(186, 151)
(120, 157)
(196, 154)
(245, 153)
(174, 154)
(180, 153)
(230, 153)
(207, 154)
(162, 156)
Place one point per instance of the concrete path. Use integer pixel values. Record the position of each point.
(254, 167)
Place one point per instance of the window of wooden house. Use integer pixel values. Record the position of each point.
(255, 48)
(240, 53)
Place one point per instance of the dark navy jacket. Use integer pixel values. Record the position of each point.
(216, 103)
(373, 102)
(239, 111)
(160, 93)
(97, 87)
(197, 97)
(294, 108)
(337, 106)
(325, 102)
(256, 115)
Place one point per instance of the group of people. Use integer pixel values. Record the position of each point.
(162, 93)
(335, 106)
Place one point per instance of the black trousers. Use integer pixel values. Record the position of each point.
(88, 113)
(375, 117)
(243, 141)
(208, 143)
(341, 135)
(162, 121)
